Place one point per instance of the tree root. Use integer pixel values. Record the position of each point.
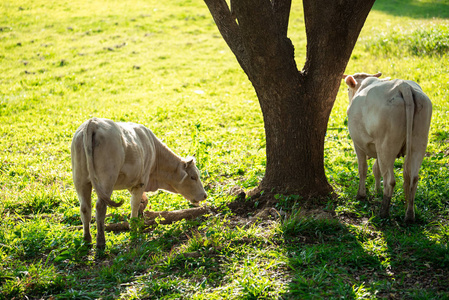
(162, 217)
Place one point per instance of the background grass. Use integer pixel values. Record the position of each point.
(166, 66)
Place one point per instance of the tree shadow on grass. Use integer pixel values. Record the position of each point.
(155, 266)
(419, 259)
(356, 258)
(414, 8)
(326, 260)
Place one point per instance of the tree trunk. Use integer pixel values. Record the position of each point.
(295, 142)
(295, 105)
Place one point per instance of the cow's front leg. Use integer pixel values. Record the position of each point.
(143, 203)
(137, 195)
(363, 169)
(100, 216)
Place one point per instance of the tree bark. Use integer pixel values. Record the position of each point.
(295, 104)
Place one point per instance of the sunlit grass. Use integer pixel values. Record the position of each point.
(165, 65)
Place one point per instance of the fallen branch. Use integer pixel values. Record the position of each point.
(123, 226)
(168, 217)
(162, 217)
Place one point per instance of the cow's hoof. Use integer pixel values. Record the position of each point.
(101, 243)
(101, 247)
(361, 198)
(385, 207)
(384, 213)
(87, 240)
(409, 219)
(88, 244)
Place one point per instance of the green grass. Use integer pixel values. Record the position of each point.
(426, 41)
(166, 66)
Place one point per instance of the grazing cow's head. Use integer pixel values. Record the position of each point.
(355, 81)
(190, 186)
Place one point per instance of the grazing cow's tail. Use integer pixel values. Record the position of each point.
(407, 94)
(88, 141)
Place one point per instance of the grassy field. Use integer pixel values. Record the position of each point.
(164, 64)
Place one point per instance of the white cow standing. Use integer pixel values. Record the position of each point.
(388, 119)
(113, 156)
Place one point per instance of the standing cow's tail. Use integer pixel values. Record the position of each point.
(88, 138)
(407, 95)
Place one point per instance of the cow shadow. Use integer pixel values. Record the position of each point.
(414, 9)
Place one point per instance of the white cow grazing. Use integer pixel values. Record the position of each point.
(114, 156)
(388, 119)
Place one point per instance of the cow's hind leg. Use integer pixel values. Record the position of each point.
(363, 169)
(411, 177)
(386, 166)
(100, 215)
(410, 185)
(377, 177)
(107, 165)
(84, 192)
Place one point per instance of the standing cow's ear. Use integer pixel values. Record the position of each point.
(344, 76)
(350, 81)
(377, 75)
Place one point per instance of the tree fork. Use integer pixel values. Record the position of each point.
(295, 105)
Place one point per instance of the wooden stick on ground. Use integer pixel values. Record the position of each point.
(166, 217)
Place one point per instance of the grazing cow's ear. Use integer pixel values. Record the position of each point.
(344, 76)
(350, 81)
(189, 162)
(377, 75)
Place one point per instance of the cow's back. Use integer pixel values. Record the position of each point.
(139, 153)
(386, 104)
(121, 153)
(378, 111)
